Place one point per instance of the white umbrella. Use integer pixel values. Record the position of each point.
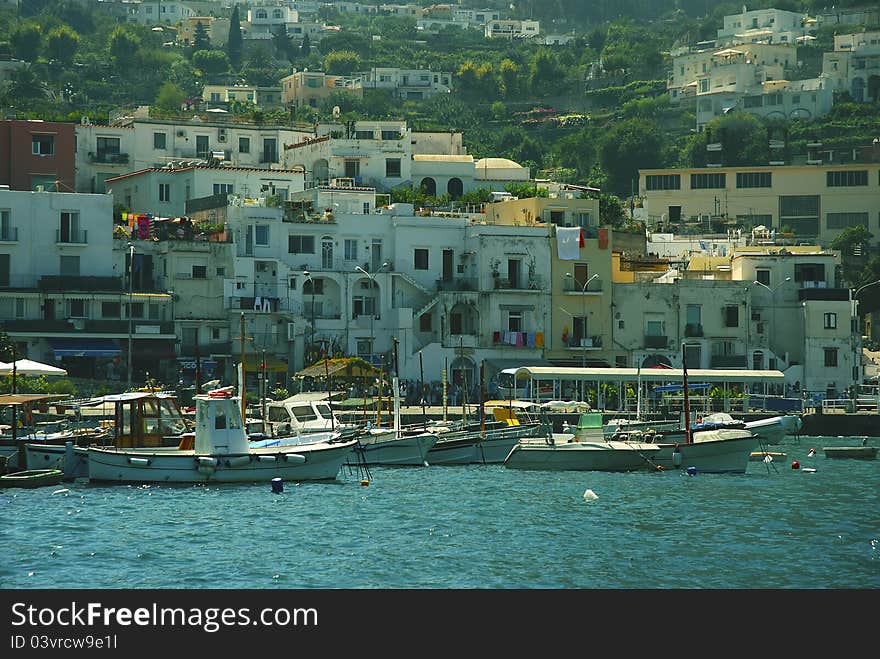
(30, 368)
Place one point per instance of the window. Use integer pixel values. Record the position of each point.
(223, 188)
(801, 213)
(390, 135)
(313, 287)
(693, 314)
(76, 308)
(244, 145)
(164, 192)
(200, 272)
(809, 272)
(363, 134)
(352, 168)
(847, 178)
(762, 276)
(514, 321)
(201, 146)
(270, 150)
(362, 306)
(753, 101)
(845, 220)
(425, 322)
(830, 357)
(392, 167)
(110, 310)
(420, 259)
(654, 327)
(830, 320)
(754, 179)
(221, 271)
(366, 208)
(663, 182)
(69, 266)
(350, 249)
(159, 141)
(731, 315)
(708, 181)
(261, 235)
(43, 145)
(301, 244)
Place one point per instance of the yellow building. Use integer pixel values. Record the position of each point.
(311, 87)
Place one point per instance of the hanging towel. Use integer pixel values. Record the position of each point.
(519, 339)
(568, 243)
(143, 227)
(530, 339)
(496, 337)
(539, 339)
(581, 238)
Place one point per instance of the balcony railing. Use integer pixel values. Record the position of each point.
(109, 158)
(727, 361)
(9, 235)
(73, 237)
(693, 330)
(458, 284)
(586, 343)
(570, 286)
(656, 342)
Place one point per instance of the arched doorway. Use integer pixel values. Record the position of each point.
(455, 188)
(463, 376)
(327, 252)
(429, 186)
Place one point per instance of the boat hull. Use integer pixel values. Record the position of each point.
(470, 447)
(725, 455)
(409, 450)
(49, 456)
(583, 456)
(32, 478)
(773, 430)
(856, 452)
(322, 462)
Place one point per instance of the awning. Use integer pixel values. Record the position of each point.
(504, 364)
(273, 364)
(78, 347)
(343, 367)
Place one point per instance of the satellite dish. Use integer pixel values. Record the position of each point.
(336, 112)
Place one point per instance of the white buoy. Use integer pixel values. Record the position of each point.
(768, 459)
(61, 491)
(808, 470)
(589, 495)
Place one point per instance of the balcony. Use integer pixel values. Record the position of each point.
(656, 342)
(9, 235)
(461, 341)
(727, 361)
(254, 303)
(586, 343)
(693, 330)
(458, 284)
(594, 287)
(72, 237)
(108, 158)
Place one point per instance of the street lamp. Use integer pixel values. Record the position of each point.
(311, 281)
(861, 288)
(373, 301)
(583, 333)
(773, 303)
(130, 298)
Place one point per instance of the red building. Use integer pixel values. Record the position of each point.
(36, 153)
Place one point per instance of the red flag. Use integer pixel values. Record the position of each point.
(582, 237)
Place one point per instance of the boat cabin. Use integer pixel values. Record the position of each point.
(301, 413)
(145, 419)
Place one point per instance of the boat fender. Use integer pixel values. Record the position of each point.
(238, 461)
(808, 470)
(277, 485)
(295, 458)
(676, 456)
(206, 464)
(266, 458)
(795, 464)
(692, 471)
(140, 462)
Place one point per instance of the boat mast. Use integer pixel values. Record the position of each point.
(684, 384)
(395, 382)
(422, 385)
(242, 379)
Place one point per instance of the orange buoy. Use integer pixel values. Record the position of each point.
(795, 464)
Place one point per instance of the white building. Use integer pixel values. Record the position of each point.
(511, 29)
(764, 26)
(413, 84)
(854, 65)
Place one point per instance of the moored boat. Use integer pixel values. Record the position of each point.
(863, 452)
(32, 478)
(220, 454)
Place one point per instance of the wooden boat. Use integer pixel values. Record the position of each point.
(220, 454)
(863, 452)
(32, 478)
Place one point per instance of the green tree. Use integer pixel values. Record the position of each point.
(26, 41)
(854, 244)
(123, 46)
(611, 209)
(170, 98)
(544, 73)
(305, 47)
(283, 44)
(342, 62)
(509, 74)
(61, 44)
(211, 62)
(743, 139)
(201, 38)
(629, 145)
(234, 41)
(467, 78)
(183, 74)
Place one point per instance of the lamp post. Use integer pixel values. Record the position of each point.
(772, 302)
(583, 336)
(373, 303)
(311, 281)
(130, 298)
(861, 288)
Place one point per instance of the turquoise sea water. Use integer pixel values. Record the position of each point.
(462, 527)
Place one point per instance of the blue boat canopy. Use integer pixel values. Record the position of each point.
(79, 347)
(678, 387)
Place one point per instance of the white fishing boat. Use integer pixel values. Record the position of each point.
(302, 413)
(220, 454)
(771, 430)
(476, 443)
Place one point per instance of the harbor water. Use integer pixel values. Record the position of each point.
(462, 527)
